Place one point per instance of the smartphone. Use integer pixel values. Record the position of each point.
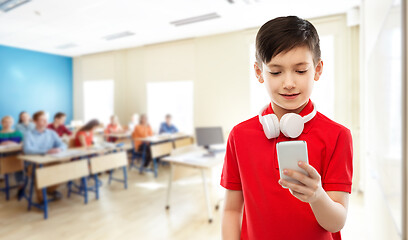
(289, 154)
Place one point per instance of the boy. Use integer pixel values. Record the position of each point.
(42, 140)
(167, 126)
(59, 125)
(257, 206)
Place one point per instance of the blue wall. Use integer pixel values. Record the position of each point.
(32, 81)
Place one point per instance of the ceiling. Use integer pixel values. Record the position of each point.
(79, 27)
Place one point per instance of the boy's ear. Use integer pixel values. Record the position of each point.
(318, 70)
(258, 72)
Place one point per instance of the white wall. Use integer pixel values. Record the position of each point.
(218, 65)
(377, 212)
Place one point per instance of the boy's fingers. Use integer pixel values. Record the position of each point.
(299, 176)
(295, 187)
(309, 169)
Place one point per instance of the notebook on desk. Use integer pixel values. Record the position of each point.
(67, 153)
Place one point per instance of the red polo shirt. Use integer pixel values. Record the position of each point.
(60, 130)
(251, 166)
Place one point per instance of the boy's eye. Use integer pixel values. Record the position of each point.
(274, 73)
(301, 72)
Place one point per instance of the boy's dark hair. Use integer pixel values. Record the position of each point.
(59, 115)
(282, 34)
(37, 115)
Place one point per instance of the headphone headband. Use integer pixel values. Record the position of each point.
(311, 115)
(306, 118)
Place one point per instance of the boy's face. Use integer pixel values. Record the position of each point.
(289, 77)
(7, 123)
(25, 118)
(41, 122)
(60, 121)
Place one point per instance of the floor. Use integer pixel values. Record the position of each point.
(136, 213)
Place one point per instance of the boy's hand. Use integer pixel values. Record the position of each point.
(54, 151)
(310, 188)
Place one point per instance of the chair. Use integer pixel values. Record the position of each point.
(134, 156)
(9, 165)
(158, 150)
(71, 143)
(109, 163)
(56, 174)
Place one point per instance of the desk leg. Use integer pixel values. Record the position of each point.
(7, 187)
(96, 186)
(30, 194)
(169, 187)
(207, 197)
(44, 193)
(143, 158)
(26, 177)
(84, 184)
(125, 178)
(110, 177)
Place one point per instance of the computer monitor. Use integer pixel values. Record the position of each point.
(207, 136)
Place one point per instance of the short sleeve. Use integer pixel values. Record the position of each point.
(230, 177)
(339, 173)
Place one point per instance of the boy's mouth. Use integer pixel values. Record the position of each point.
(290, 95)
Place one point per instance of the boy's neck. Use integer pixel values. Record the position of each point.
(6, 130)
(279, 111)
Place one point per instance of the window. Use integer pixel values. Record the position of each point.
(98, 100)
(175, 98)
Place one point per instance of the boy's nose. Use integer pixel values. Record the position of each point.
(289, 84)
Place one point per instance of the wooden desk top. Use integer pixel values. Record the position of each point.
(11, 148)
(163, 137)
(119, 135)
(194, 156)
(71, 153)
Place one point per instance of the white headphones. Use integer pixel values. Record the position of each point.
(291, 124)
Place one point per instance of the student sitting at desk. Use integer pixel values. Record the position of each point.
(113, 127)
(167, 126)
(133, 122)
(7, 134)
(8, 137)
(141, 131)
(41, 140)
(84, 136)
(24, 123)
(59, 125)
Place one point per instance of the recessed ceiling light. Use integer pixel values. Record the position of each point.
(67, 45)
(118, 35)
(8, 5)
(196, 19)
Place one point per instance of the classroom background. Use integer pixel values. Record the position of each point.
(151, 87)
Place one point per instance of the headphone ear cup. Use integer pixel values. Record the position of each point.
(276, 125)
(270, 124)
(291, 125)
